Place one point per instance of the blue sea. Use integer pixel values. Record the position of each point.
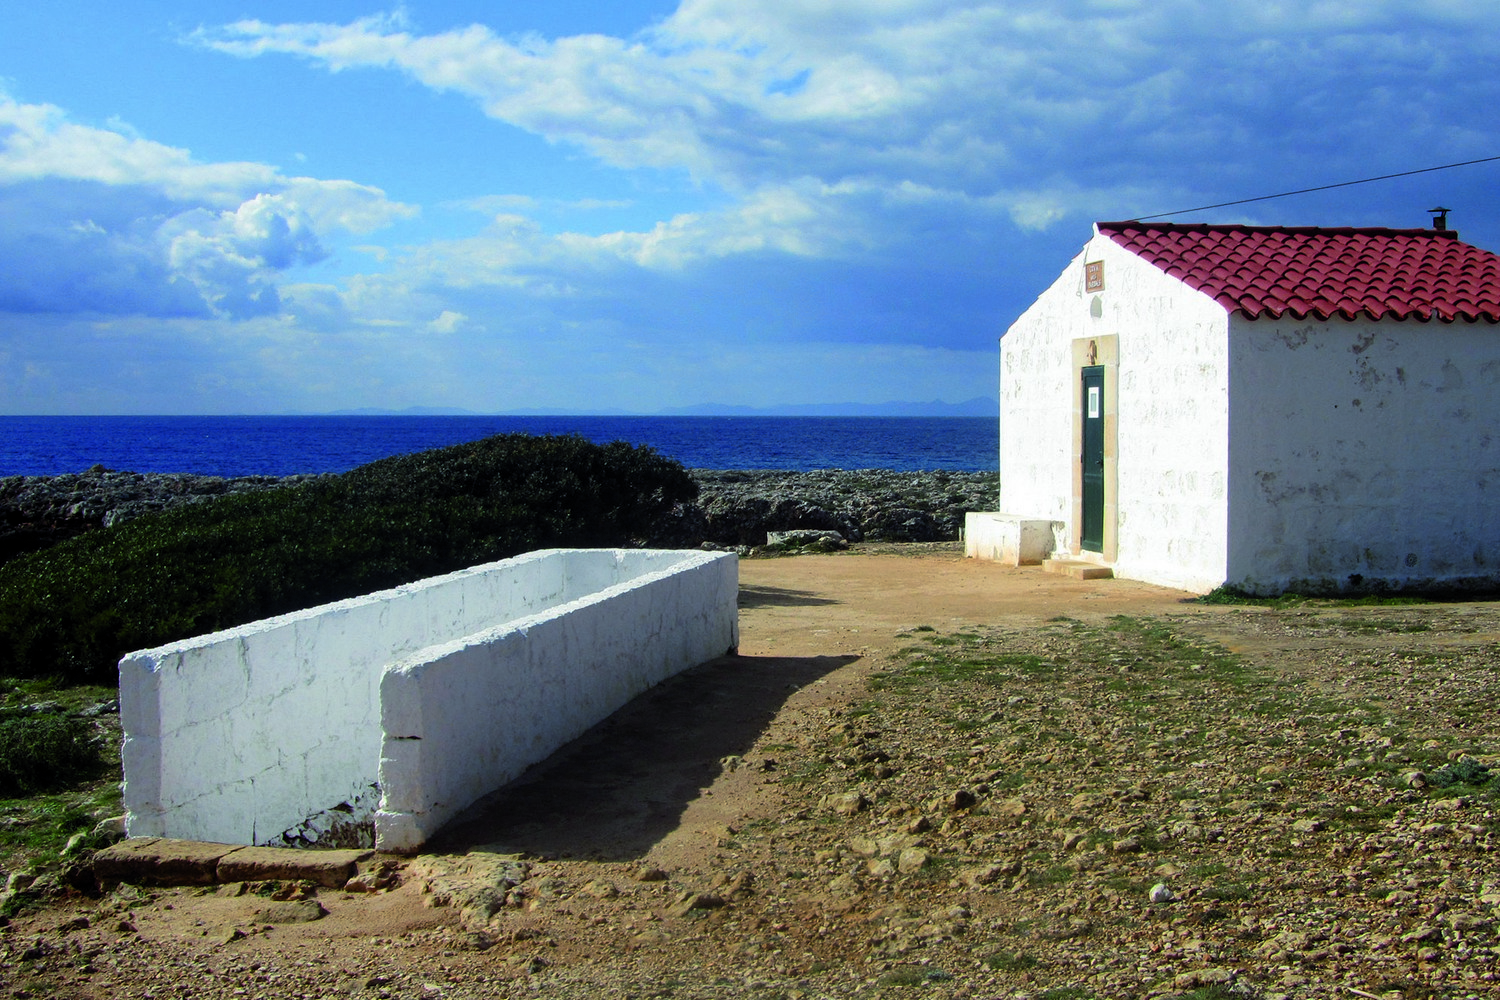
(280, 446)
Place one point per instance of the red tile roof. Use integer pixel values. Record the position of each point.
(1270, 271)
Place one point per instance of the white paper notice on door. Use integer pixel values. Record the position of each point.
(1093, 402)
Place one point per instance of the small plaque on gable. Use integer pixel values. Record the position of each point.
(1093, 276)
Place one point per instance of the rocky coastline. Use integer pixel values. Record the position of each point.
(743, 510)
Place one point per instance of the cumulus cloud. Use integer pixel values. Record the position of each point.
(991, 100)
(103, 220)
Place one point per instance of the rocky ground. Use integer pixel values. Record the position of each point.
(925, 777)
(735, 509)
(38, 511)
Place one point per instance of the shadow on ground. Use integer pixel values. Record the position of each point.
(620, 788)
(780, 597)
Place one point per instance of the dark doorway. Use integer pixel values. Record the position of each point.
(1093, 459)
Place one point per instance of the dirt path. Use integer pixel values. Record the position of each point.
(768, 825)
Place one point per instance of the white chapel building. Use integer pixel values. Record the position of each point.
(1269, 408)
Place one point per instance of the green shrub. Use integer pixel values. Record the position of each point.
(45, 751)
(73, 610)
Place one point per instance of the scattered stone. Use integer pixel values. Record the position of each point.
(292, 911)
(601, 889)
(961, 799)
(1161, 894)
(687, 902)
(846, 803)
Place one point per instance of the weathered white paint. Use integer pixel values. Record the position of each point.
(1268, 455)
(1005, 538)
(1364, 453)
(1171, 434)
(273, 732)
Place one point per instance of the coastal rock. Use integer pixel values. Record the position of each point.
(735, 508)
(40, 511)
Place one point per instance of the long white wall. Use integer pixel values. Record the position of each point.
(1364, 453)
(272, 732)
(463, 719)
(1172, 433)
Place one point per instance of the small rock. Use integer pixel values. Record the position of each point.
(690, 901)
(1307, 825)
(649, 873)
(911, 860)
(983, 875)
(961, 799)
(846, 803)
(1422, 932)
(229, 934)
(844, 885)
(293, 911)
(370, 881)
(1161, 894)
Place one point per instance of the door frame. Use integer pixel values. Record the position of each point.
(1104, 352)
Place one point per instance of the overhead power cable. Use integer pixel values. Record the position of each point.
(1323, 187)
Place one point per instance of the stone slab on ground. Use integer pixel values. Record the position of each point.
(163, 861)
(330, 868)
(160, 861)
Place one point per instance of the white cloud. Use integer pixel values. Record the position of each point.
(448, 321)
(106, 221)
(979, 98)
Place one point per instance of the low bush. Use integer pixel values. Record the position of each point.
(46, 751)
(73, 610)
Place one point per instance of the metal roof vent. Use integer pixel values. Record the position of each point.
(1439, 218)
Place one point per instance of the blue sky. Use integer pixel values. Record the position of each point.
(265, 206)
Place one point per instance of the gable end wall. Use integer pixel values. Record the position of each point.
(1171, 443)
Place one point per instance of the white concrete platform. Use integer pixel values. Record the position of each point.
(1008, 538)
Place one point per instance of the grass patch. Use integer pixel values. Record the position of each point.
(1235, 596)
(37, 828)
(1228, 892)
(45, 751)
(1009, 961)
(1466, 771)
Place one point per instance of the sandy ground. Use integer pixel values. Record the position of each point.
(609, 841)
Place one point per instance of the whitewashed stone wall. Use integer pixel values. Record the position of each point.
(1364, 453)
(272, 732)
(1171, 445)
(1270, 455)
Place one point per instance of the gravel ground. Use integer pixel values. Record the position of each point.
(1256, 802)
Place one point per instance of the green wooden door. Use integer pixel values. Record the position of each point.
(1093, 459)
